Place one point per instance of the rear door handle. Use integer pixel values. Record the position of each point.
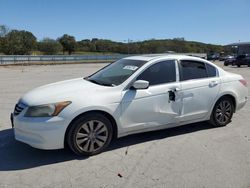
(213, 83)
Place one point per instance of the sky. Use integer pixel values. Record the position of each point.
(209, 21)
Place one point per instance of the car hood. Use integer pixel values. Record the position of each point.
(68, 90)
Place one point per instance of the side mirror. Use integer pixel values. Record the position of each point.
(140, 84)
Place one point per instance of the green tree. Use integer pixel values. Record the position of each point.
(49, 46)
(83, 45)
(19, 43)
(1, 44)
(68, 43)
(3, 32)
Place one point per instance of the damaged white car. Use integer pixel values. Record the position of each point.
(135, 94)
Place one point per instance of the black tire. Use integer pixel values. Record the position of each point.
(238, 65)
(80, 127)
(222, 112)
(225, 64)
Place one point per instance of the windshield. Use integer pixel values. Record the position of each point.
(116, 73)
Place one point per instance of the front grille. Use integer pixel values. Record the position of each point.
(19, 108)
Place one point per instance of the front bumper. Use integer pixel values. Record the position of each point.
(41, 133)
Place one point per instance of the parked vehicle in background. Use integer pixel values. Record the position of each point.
(243, 60)
(135, 94)
(213, 56)
(229, 60)
(223, 58)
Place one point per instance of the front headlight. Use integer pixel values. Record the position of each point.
(47, 110)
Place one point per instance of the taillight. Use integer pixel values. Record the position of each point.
(244, 82)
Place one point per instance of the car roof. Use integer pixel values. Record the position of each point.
(149, 57)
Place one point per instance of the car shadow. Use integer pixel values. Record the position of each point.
(15, 155)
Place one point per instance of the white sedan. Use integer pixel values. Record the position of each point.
(135, 94)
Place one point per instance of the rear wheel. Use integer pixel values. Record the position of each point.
(222, 112)
(238, 65)
(90, 134)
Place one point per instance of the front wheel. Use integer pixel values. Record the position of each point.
(90, 134)
(222, 112)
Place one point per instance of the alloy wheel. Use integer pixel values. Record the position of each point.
(223, 112)
(91, 136)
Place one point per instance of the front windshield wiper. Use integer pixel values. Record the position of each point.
(99, 83)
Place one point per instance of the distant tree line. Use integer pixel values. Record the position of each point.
(20, 42)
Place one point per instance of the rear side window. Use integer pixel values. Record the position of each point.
(192, 70)
(211, 70)
(159, 73)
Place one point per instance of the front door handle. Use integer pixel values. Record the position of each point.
(171, 95)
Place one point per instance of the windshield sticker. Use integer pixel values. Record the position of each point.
(130, 67)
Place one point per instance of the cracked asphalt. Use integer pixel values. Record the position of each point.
(194, 155)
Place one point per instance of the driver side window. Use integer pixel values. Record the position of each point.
(159, 73)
